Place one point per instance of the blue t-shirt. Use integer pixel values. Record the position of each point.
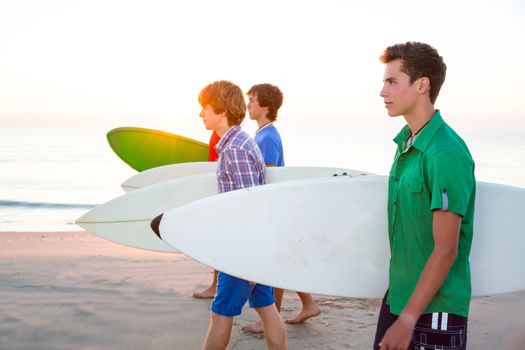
(269, 141)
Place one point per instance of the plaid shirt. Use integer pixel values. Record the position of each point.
(241, 163)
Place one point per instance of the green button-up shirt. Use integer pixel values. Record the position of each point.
(435, 172)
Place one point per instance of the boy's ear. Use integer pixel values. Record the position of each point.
(423, 85)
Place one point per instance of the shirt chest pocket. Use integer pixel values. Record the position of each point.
(410, 185)
(412, 199)
(414, 185)
(222, 175)
(221, 169)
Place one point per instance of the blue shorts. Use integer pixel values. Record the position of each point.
(233, 292)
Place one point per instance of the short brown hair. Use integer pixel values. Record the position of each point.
(269, 96)
(224, 96)
(419, 60)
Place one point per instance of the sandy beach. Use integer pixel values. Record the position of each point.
(73, 290)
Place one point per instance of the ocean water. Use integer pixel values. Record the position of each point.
(49, 176)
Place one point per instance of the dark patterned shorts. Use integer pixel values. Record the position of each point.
(435, 331)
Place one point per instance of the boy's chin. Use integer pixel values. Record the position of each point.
(394, 114)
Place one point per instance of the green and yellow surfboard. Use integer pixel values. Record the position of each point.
(144, 149)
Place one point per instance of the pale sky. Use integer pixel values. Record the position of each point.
(111, 63)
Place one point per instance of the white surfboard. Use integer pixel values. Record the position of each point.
(166, 173)
(329, 236)
(175, 171)
(126, 219)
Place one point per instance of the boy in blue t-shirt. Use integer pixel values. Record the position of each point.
(264, 102)
(269, 141)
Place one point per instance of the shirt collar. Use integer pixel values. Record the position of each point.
(423, 138)
(228, 135)
(265, 126)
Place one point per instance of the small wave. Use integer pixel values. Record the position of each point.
(37, 205)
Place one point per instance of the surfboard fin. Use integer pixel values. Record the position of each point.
(155, 223)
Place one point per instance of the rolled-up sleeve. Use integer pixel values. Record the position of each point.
(451, 176)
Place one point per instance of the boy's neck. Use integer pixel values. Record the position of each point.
(262, 122)
(223, 129)
(419, 117)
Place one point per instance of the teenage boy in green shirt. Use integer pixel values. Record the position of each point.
(430, 211)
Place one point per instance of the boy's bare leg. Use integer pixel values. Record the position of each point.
(257, 327)
(309, 309)
(219, 332)
(278, 294)
(274, 328)
(208, 293)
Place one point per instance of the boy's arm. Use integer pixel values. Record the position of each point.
(446, 228)
(241, 169)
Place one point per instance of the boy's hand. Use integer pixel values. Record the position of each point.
(398, 336)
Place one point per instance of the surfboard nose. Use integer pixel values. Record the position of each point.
(84, 222)
(83, 219)
(155, 223)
